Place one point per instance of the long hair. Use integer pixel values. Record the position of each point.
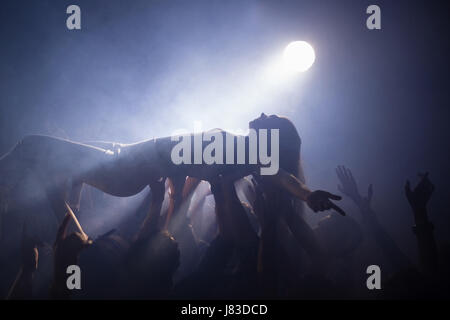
(280, 202)
(290, 155)
(290, 145)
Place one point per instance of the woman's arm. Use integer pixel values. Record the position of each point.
(317, 200)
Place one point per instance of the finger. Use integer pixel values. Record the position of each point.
(340, 174)
(351, 179)
(77, 223)
(338, 209)
(345, 177)
(346, 172)
(351, 176)
(333, 196)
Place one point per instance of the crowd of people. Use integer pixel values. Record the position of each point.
(229, 238)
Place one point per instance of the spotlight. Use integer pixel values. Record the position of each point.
(298, 56)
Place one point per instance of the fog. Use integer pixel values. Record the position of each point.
(375, 101)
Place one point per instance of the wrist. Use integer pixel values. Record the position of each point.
(423, 228)
(420, 216)
(369, 216)
(357, 200)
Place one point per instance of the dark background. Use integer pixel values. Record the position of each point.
(375, 101)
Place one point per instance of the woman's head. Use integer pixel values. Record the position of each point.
(289, 139)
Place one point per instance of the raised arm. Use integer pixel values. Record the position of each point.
(418, 199)
(22, 288)
(390, 249)
(151, 222)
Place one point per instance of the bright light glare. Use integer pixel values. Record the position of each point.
(299, 56)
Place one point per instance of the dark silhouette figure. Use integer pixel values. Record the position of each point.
(153, 256)
(22, 288)
(423, 229)
(66, 250)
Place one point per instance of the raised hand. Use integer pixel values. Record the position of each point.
(320, 200)
(150, 225)
(72, 244)
(66, 250)
(419, 197)
(348, 185)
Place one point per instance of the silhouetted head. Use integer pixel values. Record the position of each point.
(289, 139)
(101, 265)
